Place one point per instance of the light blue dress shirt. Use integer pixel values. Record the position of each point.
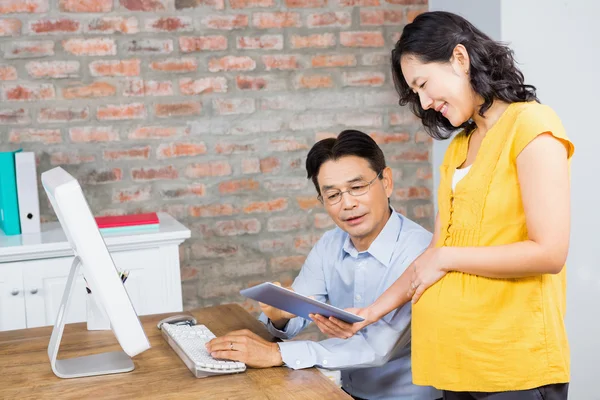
(376, 362)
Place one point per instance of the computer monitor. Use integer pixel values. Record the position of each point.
(102, 278)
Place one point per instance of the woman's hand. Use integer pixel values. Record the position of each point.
(333, 327)
(428, 268)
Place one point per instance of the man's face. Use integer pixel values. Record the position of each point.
(362, 216)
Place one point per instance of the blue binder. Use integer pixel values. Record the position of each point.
(9, 205)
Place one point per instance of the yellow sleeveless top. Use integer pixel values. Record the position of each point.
(471, 333)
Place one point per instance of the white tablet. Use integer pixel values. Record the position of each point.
(295, 303)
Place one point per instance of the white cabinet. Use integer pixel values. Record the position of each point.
(34, 270)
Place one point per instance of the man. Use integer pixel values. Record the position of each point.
(349, 267)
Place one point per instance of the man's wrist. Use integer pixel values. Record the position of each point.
(277, 358)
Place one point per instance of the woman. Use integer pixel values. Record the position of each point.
(489, 293)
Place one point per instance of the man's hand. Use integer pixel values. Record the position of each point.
(279, 318)
(333, 327)
(247, 347)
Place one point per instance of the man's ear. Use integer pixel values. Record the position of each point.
(388, 181)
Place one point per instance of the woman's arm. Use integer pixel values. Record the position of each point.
(543, 172)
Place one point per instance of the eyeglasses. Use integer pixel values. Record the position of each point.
(332, 197)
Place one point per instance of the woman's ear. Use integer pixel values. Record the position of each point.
(460, 59)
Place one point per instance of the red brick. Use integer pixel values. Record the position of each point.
(189, 87)
(340, 19)
(54, 26)
(381, 17)
(233, 148)
(62, 158)
(31, 92)
(312, 41)
(111, 25)
(264, 82)
(334, 60)
(198, 190)
(412, 156)
(90, 47)
(119, 112)
(412, 13)
(285, 185)
(131, 195)
(140, 87)
(280, 62)
(14, 117)
(243, 185)
(363, 78)
(234, 106)
(386, 138)
(359, 3)
(237, 227)
(276, 20)
(279, 204)
(424, 173)
(115, 68)
(287, 144)
(183, 4)
(91, 134)
(149, 174)
(96, 89)
(250, 166)
(169, 24)
(175, 65)
(177, 109)
(8, 73)
(423, 211)
(97, 177)
(149, 46)
(305, 3)
(46, 136)
(406, 2)
(402, 118)
(10, 27)
(144, 5)
(308, 203)
(323, 221)
(423, 137)
(313, 82)
(324, 135)
(231, 63)
(85, 6)
(264, 42)
(413, 192)
(236, 4)
(35, 49)
(136, 153)
(375, 59)
(213, 210)
(358, 119)
(63, 115)
(304, 243)
(180, 150)
(271, 245)
(53, 69)
(361, 39)
(153, 132)
(213, 168)
(190, 44)
(225, 22)
(286, 224)
(269, 165)
(23, 6)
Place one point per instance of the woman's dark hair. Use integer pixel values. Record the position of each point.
(348, 143)
(432, 37)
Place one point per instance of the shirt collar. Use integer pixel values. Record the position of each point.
(383, 245)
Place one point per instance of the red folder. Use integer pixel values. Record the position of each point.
(126, 220)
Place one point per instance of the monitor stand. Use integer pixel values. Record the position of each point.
(98, 364)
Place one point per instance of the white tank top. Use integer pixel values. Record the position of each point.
(459, 174)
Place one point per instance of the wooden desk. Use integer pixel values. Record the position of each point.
(159, 373)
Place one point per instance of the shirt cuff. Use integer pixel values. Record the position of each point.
(297, 355)
(278, 333)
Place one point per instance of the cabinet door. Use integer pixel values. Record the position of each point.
(44, 283)
(12, 302)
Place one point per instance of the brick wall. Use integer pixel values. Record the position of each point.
(206, 109)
